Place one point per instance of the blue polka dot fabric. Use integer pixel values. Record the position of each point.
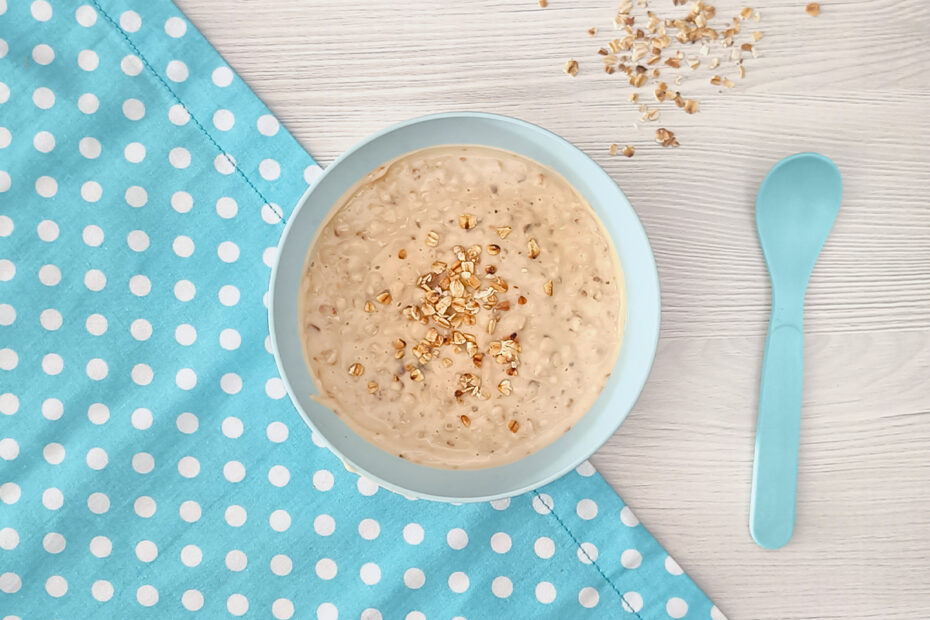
(151, 465)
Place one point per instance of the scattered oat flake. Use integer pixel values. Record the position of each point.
(592, 32)
(372, 387)
(757, 35)
(571, 67)
(402, 254)
(514, 426)
(691, 106)
(467, 221)
(432, 238)
(543, 3)
(547, 288)
(745, 13)
(813, 9)
(613, 149)
(632, 97)
(384, 297)
(466, 421)
(533, 247)
(628, 150)
(356, 370)
(665, 137)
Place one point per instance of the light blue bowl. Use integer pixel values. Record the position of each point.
(639, 340)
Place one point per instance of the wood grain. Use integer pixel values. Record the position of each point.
(850, 84)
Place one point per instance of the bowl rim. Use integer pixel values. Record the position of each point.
(651, 273)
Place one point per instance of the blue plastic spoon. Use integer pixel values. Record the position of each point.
(795, 209)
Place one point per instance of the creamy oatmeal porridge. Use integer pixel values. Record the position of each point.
(461, 307)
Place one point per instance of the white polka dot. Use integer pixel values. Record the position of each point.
(56, 585)
(140, 285)
(178, 114)
(235, 515)
(414, 578)
(95, 280)
(500, 542)
(323, 480)
(52, 364)
(275, 389)
(102, 590)
(130, 21)
(9, 402)
(370, 573)
(46, 186)
(542, 503)
(586, 509)
(190, 511)
(43, 54)
(230, 339)
(326, 569)
(271, 213)
(184, 290)
(716, 614)
(179, 157)
(88, 103)
(277, 432)
(366, 487)
(226, 207)
(236, 560)
(134, 152)
(10, 583)
(9, 359)
(191, 555)
(52, 498)
(47, 230)
(86, 15)
(457, 538)
(10, 492)
(631, 558)
(267, 125)
(97, 458)
(9, 538)
(369, 529)
(413, 533)
(147, 595)
(144, 506)
(281, 565)
(136, 196)
(587, 553)
(41, 11)
(143, 462)
(140, 329)
(189, 467)
(228, 252)
(327, 611)
(6, 226)
(324, 525)
(192, 600)
(283, 609)
(628, 518)
(185, 334)
(91, 191)
(545, 592)
(458, 582)
(231, 383)
(676, 607)
(4, 97)
(133, 109)
(100, 546)
(544, 547)
(269, 255)
(98, 503)
(5, 180)
(224, 163)
(588, 597)
(97, 369)
(279, 520)
(234, 471)
(52, 408)
(312, 173)
(672, 566)
(7, 314)
(222, 76)
(54, 453)
(98, 413)
(224, 120)
(88, 60)
(269, 169)
(183, 246)
(187, 423)
(175, 27)
(5, 136)
(176, 71)
(51, 319)
(131, 65)
(9, 449)
(502, 587)
(279, 475)
(49, 275)
(141, 418)
(44, 142)
(146, 551)
(229, 295)
(92, 235)
(137, 240)
(43, 98)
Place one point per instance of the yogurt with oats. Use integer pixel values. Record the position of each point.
(461, 307)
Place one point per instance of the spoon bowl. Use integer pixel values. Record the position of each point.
(795, 210)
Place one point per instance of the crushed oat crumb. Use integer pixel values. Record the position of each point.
(571, 67)
(466, 421)
(503, 231)
(384, 297)
(467, 221)
(372, 387)
(547, 288)
(369, 307)
(813, 9)
(514, 426)
(533, 247)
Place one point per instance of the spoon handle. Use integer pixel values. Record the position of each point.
(775, 471)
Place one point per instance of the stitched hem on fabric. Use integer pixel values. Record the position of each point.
(590, 559)
(197, 123)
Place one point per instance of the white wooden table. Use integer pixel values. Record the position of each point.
(851, 84)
